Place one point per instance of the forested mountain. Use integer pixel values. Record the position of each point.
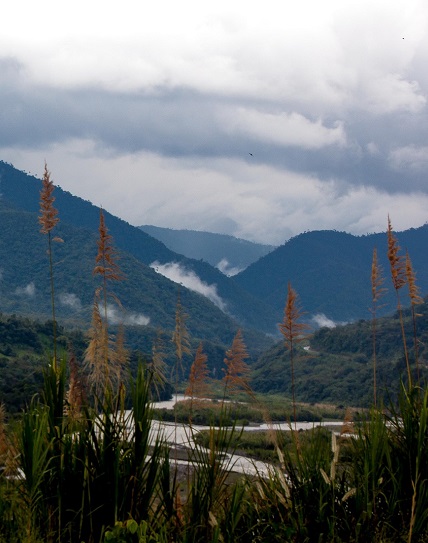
(227, 253)
(20, 192)
(148, 298)
(335, 365)
(331, 272)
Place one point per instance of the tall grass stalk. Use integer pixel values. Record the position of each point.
(104, 367)
(48, 220)
(415, 300)
(292, 330)
(198, 387)
(236, 371)
(377, 281)
(399, 279)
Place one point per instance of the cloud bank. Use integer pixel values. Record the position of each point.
(258, 121)
(190, 280)
(70, 300)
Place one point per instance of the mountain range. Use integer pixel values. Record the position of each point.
(330, 270)
(207, 286)
(228, 254)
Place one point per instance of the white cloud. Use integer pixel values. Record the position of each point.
(411, 156)
(28, 291)
(390, 93)
(70, 300)
(114, 316)
(225, 267)
(286, 129)
(320, 320)
(190, 280)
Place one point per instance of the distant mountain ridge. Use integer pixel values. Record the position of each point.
(228, 254)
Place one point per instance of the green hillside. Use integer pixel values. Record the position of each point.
(20, 191)
(331, 272)
(148, 298)
(335, 365)
(25, 348)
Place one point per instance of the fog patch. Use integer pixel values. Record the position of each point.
(28, 291)
(321, 321)
(189, 279)
(70, 300)
(114, 316)
(225, 267)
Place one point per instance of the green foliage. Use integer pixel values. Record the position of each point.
(336, 367)
(132, 532)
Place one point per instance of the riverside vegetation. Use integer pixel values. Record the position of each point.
(79, 467)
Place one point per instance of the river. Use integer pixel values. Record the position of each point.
(183, 434)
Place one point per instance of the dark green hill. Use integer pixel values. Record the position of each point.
(331, 272)
(227, 253)
(21, 191)
(148, 297)
(335, 365)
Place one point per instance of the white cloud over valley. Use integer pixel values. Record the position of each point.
(189, 279)
(116, 316)
(70, 300)
(225, 267)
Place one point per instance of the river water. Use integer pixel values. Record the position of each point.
(183, 435)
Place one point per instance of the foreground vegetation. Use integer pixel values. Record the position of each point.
(80, 467)
(101, 477)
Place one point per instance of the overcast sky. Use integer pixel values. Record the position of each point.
(260, 122)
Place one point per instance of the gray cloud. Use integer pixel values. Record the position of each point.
(184, 123)
(243, 120)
